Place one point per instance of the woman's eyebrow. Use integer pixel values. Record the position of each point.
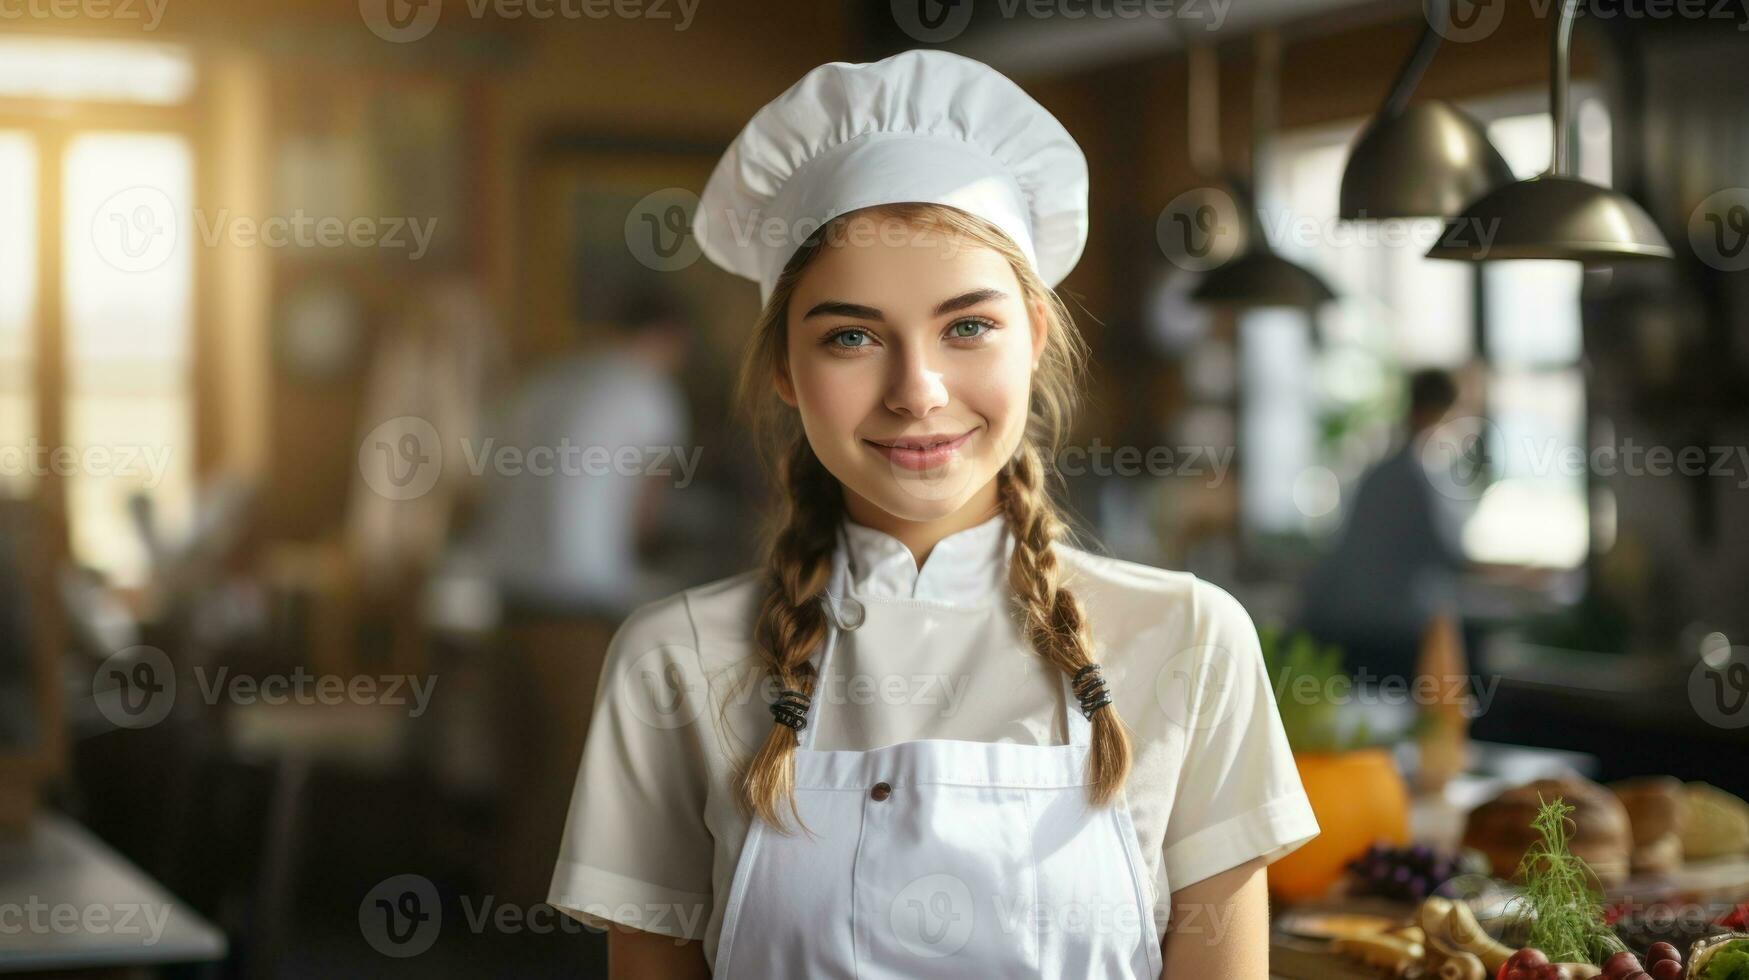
(860, 312)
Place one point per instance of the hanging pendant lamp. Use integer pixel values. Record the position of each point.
(1554, 215)
(1425, 160)
(1259, 278)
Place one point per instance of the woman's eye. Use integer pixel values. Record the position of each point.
(857, 338)
(970, 329)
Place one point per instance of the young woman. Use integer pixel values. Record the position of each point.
(929, 737)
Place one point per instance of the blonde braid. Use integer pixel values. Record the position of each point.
(1054, 623)
(792, 620)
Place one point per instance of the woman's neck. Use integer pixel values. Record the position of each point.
(921, 536)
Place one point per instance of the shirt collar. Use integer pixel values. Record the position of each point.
(967, 568)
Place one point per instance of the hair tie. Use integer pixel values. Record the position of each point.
(1089, 685)
(791, 708)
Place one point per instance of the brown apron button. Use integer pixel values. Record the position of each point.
(881, 791)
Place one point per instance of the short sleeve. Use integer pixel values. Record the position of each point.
(636, 848)
(1239, 795)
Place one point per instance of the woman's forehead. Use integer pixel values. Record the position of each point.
(910, 268)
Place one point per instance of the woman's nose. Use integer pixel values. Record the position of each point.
(916, 387)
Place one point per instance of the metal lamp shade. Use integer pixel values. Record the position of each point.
(1259, 279)
(1427, 161)
(1552, 217)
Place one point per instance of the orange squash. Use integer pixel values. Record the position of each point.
(1358, 798)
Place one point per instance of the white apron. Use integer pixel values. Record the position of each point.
(940, 858)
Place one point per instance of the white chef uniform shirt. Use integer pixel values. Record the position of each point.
(654, 833)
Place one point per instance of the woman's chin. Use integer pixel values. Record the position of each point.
(924, 495)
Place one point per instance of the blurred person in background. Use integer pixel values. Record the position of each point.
(563, 533)
(1397, 557)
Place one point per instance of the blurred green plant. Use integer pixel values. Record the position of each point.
(1306, 677)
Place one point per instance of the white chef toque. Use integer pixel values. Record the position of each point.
(925, 126)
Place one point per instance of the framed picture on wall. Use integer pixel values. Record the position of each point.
(608, 216)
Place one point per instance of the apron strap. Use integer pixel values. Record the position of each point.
(837, 601)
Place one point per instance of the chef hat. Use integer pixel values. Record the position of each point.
(924, 125)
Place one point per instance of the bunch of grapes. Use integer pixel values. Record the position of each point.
(1663, 962)
(1405, 873)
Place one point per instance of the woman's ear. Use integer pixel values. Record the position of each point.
(1041, 332)
(786, 387)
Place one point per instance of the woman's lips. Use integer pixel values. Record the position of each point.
(922, 459)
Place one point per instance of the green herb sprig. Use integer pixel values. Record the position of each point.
(1562, 895)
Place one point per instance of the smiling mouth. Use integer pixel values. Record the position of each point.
(921, 442)
(921, 452)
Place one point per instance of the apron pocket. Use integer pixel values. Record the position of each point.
(946, 884)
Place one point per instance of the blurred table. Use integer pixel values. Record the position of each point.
(69, 902)
(1438, 820)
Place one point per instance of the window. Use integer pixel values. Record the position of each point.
(1310, 432)
(114, 417)
(126, 315)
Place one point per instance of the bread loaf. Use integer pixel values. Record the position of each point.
(1601, 834)
(1655, 806)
